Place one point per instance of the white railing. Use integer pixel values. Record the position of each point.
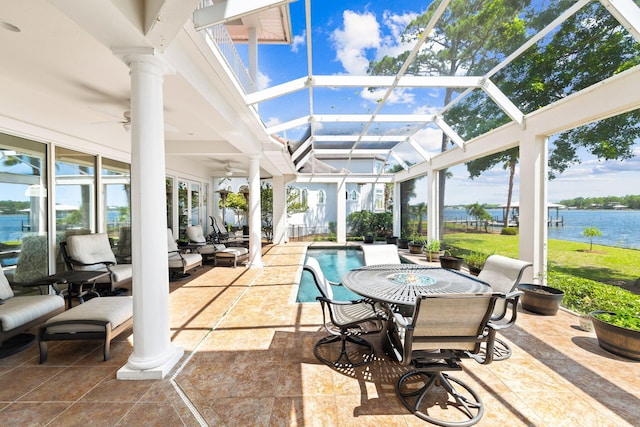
(218, 37)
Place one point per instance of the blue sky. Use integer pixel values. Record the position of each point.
(344, 41)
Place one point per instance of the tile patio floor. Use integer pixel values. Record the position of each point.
(249, 362)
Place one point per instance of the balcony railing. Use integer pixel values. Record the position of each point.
(217, 37)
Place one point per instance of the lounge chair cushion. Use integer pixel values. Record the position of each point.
(5, 289)
(18, 311)
(115, 310)
(90, 249)
(175, 261)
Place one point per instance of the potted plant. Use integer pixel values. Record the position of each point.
(450, 261)
(416, 244)
(541, 299)
(475, 262)
(618, 333)
(183, 243)
(403, 242)
(392, 240)
(432, 248)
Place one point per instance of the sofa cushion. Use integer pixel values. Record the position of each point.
(5, 290)
(18, 311)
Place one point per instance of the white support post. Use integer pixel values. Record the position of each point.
(279, 210)
(341, 212)
(396, 210)
(255, 214)
(533, 207)
(433, 196)
(153, 354)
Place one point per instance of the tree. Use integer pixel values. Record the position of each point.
(590, 233)
(589, 47)
(478, 212)
(294, 205)
(510, 159)
(468, 39)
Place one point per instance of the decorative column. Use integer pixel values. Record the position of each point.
(533, 207)
(153, 354)
(255, 214)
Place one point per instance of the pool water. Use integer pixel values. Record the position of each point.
(334, 263)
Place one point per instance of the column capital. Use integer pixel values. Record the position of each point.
(144, 56)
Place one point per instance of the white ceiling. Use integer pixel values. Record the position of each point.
(60, 81)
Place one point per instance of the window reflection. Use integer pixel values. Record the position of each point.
(23, 209)
(116, 186)
(75, 192)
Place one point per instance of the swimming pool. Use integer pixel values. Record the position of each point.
(334, 263)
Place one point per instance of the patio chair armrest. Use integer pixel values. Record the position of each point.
(332, 283)
(512, 299)
(84, 264)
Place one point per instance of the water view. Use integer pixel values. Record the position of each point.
(619, 227)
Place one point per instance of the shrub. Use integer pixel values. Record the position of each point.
(584, 296)
(475, 259)
(509, 231)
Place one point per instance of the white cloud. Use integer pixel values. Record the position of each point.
(263, 81)
(361, 32)
(392, 44)
(298, 41)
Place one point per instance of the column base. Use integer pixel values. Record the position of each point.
(156, 373)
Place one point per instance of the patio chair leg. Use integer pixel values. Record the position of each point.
(343, 360)
(469, 407)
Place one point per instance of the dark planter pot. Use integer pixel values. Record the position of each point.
(474, 271)
(541, 299)
(392, 240)
(415, 249)
(403, 243)
(368, 238)
(451, 262)
(624, 342)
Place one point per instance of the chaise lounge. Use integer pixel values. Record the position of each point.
(18, 314)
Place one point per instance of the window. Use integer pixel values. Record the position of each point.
(116, 189)
(321, 197)
(304, 197)
(75, 192)
(23, 202)
(379, 199)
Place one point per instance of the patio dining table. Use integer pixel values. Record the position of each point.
(401, 284)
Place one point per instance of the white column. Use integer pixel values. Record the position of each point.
(153, 354)
(253, 54)
(279, 210)
(433, 197)
(255, 214)
(397, 227)
(341, 212)
(533, 207)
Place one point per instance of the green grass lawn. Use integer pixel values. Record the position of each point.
(605, 264)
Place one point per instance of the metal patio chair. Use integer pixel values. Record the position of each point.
(348, 320)
(441, 331)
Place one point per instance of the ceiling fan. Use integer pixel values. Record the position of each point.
(229, 170)
(124, 119)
